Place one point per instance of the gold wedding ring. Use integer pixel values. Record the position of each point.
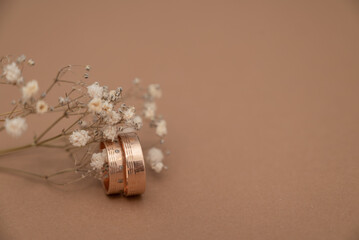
(135, 176)
(126, 167)
(113, 177)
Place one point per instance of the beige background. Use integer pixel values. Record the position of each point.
(261, 99)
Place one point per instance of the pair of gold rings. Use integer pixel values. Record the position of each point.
(126, 171)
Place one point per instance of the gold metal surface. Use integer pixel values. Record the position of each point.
(135, 175)
(113, 180)
(126, 171)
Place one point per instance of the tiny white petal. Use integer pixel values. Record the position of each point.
(157, 167)
(150, 110)
(95, 90)
(95, 105)
(113, 118)
(13, 73)
(137, 121)
(30, 89)
(154, 156)
(112, 95)
(31, 62)
(161, 128)
(79, 138)
(21, 58)
(41, 107)
(136, 81)
(154, 90)
(110, 132)
(16, 126)
(107, 107)
(128, 114)
(61, 100)
(98, 160)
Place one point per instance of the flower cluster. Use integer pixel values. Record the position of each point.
(100, 113)
(155, 159)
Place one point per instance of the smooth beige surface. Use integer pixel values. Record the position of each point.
(261, 99)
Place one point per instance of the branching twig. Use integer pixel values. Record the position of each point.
(100, 118)
(50, 127)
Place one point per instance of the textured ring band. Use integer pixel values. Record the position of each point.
(135, 175)
(113, 180)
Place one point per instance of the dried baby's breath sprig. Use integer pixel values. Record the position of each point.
(15, 126)
(41, 107)
(161, 128)
(99, 114)
(155, 159)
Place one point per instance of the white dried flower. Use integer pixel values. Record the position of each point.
(161, 128)
(31, 62)
(128, 114)
(13, 73)
(83, 123)
(95, 105)
(155, 91)
(16, 126)
(157, 167)
(105, 95)
(63, 101)
(95, 90)
(154, 155)
(110, 132)
(150, 110)
(21, 58)
(79, 138)
(137, 121)
(113, 118)
(107, 107)
(41, 107)
(136, 81)
(98, 160)
(154, 159)
(112, 95)
(30, 89)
